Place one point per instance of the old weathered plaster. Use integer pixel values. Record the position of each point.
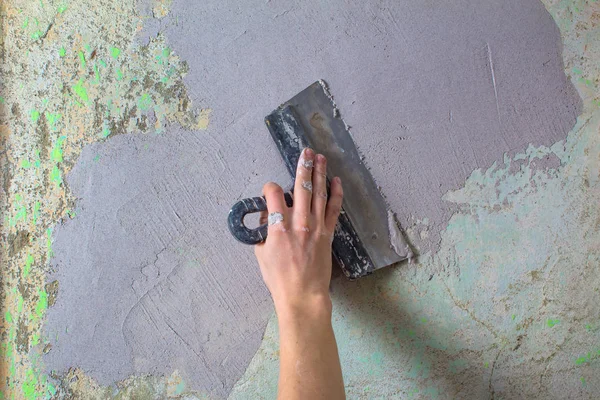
(71, 74)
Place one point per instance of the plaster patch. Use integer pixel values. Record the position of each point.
(431, 93)
(151, 287)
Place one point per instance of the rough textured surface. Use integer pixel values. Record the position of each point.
(71, 74)
(506, 309)
(431, 91)
(147, 283)
(511, 312)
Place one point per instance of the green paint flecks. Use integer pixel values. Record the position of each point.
(20, 211)
(36, 212)
(62, 52)
(145, 102)
(42, 303)
(52, 119)
(81, 59)
(57, 151)
(552, 322)
(37, 34)
(115, 52)
(592, 355)
(35, 339)
(35, 115)
(96, 75)
(28, 263)
(56, 176)
(80, 90)
(61, 9)
(29, 386)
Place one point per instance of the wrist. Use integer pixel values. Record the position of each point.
(309, 308)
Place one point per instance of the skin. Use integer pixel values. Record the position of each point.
(295, 262)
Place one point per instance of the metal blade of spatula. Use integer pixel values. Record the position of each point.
(367, 237)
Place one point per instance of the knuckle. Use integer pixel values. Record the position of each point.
(277, 230)
(336, 198)
(307, 185)
(303, 230)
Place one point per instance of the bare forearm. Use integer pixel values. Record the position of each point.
(309, 360)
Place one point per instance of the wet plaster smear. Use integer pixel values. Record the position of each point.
(150, 279)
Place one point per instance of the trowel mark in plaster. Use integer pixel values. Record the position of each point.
(489, 53)
(183, 302)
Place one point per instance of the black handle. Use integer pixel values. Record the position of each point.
(251, 205)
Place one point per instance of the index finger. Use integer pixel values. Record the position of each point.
(277, 217)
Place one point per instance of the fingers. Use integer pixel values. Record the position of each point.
(277, 217)
(303, 187)
(319, 195)
(262, 217)
(334, 205)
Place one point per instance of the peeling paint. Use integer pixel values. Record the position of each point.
(76, 82)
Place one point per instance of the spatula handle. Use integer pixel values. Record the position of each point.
(235, 221)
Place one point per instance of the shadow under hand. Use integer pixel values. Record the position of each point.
(395, 339)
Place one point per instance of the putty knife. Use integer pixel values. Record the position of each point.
(367, 236)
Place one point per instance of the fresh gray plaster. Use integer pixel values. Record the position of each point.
(432, 91)
(151, 281)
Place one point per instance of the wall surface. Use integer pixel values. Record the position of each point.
(480, 126)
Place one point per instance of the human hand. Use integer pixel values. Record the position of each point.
(295, 260)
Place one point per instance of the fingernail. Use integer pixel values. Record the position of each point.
(321, 158)
(309, 152)
(337, 179)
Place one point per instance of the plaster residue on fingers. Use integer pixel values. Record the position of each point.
(307, 185)
(308, 164)
(275, 218)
